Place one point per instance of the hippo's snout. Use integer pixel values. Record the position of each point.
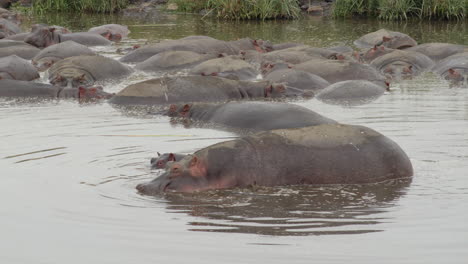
(154, 187)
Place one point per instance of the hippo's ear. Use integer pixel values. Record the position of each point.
(159, 154)
(452, 71)
(194, 161)
(171, 157)
(386, 39)
(52, 29)
(268, 90)
(185, 109)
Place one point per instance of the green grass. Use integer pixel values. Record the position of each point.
(402, 9)
(97, 6)
(242, 9)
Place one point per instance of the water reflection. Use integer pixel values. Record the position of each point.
(291, 211)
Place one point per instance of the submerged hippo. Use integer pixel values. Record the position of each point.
(387, 38)
(341, 70)
(353, 92)
(186, 89)
(402, 64)
(227, 67)
(16, 68)
(324, 154)
(50, 55)
(439, 51)
(8, 28)
(198, 45)
(86, 70)
(161, 161)
(22, 50)
(454, 69)
(15, 88)
(249, 116)
(298, 79)
(112, 32)
(44, 36)
(173, 61)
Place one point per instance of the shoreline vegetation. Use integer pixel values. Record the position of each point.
(265, 9)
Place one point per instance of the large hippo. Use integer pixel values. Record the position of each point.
(187, 89)
(15, 68)
(247, 117)
(173, 61)
(227, 67)
(298, 79)
(402, 64)
(198, 45)
(21, 49)
(454, 69)
(352, 92)
(44, 36)
(387, 38)
(324, 154)
(162, 160)
(341, 70)
(8, 28)
(112, 32)
(439, 51)
(85, 70)
(15, 88)
(50, 55)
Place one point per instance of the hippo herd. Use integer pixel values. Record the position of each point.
(238, 86)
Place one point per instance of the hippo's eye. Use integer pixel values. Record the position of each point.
(160, 163)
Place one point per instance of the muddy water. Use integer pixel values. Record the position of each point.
(68, 173)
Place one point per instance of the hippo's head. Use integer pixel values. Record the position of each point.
(280, 90)
(110, 36)
(42, 36)
(44, 63)
(187, 175)
(375, 52)
(398, 70)
(71, 77)
(165, 159)
(456, 76)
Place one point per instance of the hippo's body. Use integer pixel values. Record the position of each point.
(187, 89)
(227, 67)
(250, 116)
(341, 70)
(15, 88)
(324, 154)
(173, 61)
(50, 55)
(387, 38)
(26, 52)
(353, 92)
(439, 51)
(15, 68)
(298, 79)
(402, 64)
(86, 70)
(112, 32)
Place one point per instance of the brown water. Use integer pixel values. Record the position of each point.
(68, 172)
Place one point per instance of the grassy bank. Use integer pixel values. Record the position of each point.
(97, 6)
(402, 9)
(242, 9)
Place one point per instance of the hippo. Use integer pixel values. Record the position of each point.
(402, 64)
(15, 68)
(18, 37)
(298, 79)
(248, 117)
(162, 160)
(112, 32)
(50, 55)
(372, 53)
(187, 89)
(173, 61)
(439, 51)
(352, 92)
(341, 70)
(15, 88)
(198, 45)
(387, 38)
(324, 154)
(25, 51)
(44, 36)
(8, 28)
(227, 67)
(85, 70)
(454, 69)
